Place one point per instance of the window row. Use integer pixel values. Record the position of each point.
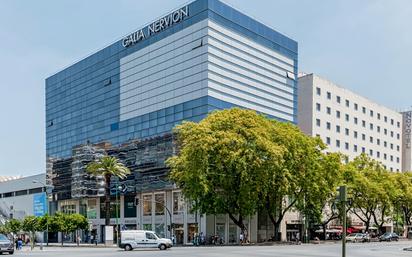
(356, 122)
(356, 135)
(356, 108)
(355, 148)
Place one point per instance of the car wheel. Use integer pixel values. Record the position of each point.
(128, 248)
(162, 247)
(11, 252)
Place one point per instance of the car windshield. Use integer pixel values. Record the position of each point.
(3, 237)
(157, 235)
(352, 235)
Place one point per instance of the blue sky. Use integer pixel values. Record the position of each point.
(365, 46)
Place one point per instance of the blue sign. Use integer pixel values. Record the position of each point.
(39, 204)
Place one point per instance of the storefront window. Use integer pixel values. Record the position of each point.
(113, 208)
(159, 203)
(129, 207)
(92, 209)
(160, 229)
(147, 226)
(68, 209)
(177, 203)
(147, 205)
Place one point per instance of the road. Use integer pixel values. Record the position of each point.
(310, 250)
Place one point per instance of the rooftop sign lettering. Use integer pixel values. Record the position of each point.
(157, 26)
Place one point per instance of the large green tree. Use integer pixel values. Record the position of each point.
(371, 190)
(304, 180)
(31, 225)
(225, 162)
(108, 167)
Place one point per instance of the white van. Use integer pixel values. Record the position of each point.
(131, 239)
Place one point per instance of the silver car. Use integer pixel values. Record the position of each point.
(6, 245)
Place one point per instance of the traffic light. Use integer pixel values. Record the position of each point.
(136, 201)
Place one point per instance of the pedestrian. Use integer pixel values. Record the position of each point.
(241, 238)
(297, 237)
(173, 239)
(19, 243)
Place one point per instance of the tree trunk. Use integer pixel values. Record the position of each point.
(107, 178)
(62, 237)
(276, 224)
(241, 225)
(324, 230)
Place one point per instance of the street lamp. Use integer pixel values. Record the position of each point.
(118, 188)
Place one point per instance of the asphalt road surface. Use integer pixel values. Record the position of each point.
(326, 250)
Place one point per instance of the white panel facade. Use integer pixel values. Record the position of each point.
(206, 59)
(247, 74)
(406, 142)
(168, 72)
(350, 123)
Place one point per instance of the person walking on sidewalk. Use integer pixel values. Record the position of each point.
(241, 238)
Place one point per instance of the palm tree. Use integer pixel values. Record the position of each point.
(107, 167)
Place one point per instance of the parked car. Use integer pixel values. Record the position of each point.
(355, 237)
(388, 236)
(131, 239)
(6, 245)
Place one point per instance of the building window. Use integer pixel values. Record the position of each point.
(328, 125)
(385, 144)
(397, 136)
(147, 205)
(363, 137)
(356, 106)
(397, 148)
(363, 150)
(378, 141)
(385, 119)
(318, 91)
(337, 143)
(328, 110)
(371, 126)
(355, 120)
(318, 107)
(397, 159)
(398, 124)
(371, 139)
(392, 122)
(355, 134)
(355, 148)
(385, 156)
(385, 131)
(347, 146)
(338, 99)
(379, 116)
(391, 158)
(337, 129)
(347, 131)
(347, 117)
(160, 204)
(347, 103)
(318, 122)
(329, 95)
(378, 154)
(371, 152)
(363, 123)
(338, 114)
(371, 113)
(363, 109)
(378, 128)
(391, 146)
(177, 203)
(391, 133)
(328, 140)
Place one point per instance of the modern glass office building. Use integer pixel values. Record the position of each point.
(127, 97)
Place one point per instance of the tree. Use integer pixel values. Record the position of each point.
(13, 226)
(68, 223)
(371, 189)
(225, 162)
(30, 225)
(108, 167)
(305, 177)
(402, 201)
